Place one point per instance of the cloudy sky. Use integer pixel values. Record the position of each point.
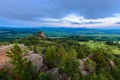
(60, 13)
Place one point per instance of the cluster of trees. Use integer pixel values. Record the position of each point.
(65, 55)
(113, 43)
(68, 64)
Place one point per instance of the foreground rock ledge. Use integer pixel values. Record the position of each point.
(35, 59)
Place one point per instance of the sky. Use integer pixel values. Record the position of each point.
(60, 13)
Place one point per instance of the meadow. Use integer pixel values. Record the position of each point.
(101, 44)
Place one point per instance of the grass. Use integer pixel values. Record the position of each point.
(103, 35)
(94, 45)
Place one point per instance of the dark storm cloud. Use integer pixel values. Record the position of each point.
(34, 9)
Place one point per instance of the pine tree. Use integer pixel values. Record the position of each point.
(50, 56)
(83, 51)
(100, 59)
(15, 54)
(61, 54)
(61, 51)
(71, 66)
(21, 66)
(81, 54)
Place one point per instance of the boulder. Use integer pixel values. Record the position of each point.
(35, 59)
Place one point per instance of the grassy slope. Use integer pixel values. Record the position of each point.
(94, 45)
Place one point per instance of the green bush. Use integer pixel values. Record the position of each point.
(4, 75)
(48, 76)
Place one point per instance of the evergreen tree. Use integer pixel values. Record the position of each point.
(51, 56)
(61, 54)
(21, 66)
(83, 51)
(81, 54)
(71, 66)
(100, 59)
(61, 51)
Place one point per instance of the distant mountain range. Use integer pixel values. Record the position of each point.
(71, 31)
(16, 33)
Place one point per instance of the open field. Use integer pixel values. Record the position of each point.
(95, 45)
(10, 34)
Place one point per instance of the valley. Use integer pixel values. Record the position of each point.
(51, 55)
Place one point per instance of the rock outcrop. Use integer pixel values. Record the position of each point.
(41, 35)
(35, 59)
(90, 69)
